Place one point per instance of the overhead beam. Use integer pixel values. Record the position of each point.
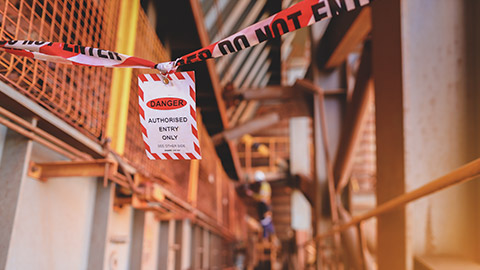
(343, 35)
(252, 126)
(308, 86)
(256, 68)
(269, 92)
(286, 92)
(249, 111)
(238, 112)
(356, 113)
(276, 131)
(246, 67)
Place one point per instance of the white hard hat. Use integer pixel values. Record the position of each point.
(259, 176)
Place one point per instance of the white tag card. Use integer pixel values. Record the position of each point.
(168, 116)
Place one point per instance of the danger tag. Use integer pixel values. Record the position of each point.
(168, 116)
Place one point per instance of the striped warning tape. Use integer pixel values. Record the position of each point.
(300, 15)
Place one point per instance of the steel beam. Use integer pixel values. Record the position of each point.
(343, 35)
(356, 113)
(136, 245)
(104, 201)
(16, 155)
(98, 168)
(254, 125)
(269, 92)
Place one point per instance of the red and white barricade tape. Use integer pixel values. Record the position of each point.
(300, 15)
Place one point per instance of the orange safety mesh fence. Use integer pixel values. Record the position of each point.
(207, 179)
(77, 94)
(239, 209)
(148, 46)
(226, 198)
(363, 177)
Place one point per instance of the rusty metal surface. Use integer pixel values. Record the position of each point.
(77, 94)
(364, 171)
(226, 200)
(239, 226)
(207, 196)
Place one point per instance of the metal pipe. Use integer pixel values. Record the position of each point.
(463, 174)
(31, 135)
(78, 154)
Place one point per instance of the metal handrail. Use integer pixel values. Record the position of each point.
(463, 174)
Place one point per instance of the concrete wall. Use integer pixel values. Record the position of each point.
(151, 239)
(3, 134)
(118, 239)
(53, 221)
(438, 117)
(427, 125)
(300, 212)
(300, 145)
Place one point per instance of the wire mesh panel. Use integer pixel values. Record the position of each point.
(77, 94)
(207, 195)
(225, 200)
(240, 212)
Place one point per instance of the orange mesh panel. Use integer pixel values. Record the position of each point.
(77, 94)
(239, 226)
(207, 199)
(226, 186)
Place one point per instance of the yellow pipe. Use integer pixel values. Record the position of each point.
(122, 77)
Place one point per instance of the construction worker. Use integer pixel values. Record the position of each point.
(264, 199)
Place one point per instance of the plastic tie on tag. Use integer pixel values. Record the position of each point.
(167, 68)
